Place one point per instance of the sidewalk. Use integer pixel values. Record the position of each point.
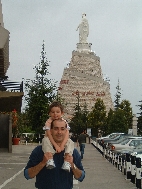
(100, 174)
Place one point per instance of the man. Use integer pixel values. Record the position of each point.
(56, 178)
(82, 141)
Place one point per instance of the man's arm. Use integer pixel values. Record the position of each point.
(77, 172)
(31, 172)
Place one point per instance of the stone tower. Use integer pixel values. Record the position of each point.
(82, 81)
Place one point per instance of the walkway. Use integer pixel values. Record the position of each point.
(100, 174)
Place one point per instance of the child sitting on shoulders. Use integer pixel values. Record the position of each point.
(56, 112)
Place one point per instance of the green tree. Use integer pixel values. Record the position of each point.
(139, 122)
(117, 123)
(40, 93)
(79, 120)
(97, 117)
(23, 124)
(117, 97)
(120, 120)
(108, 122)
(125, 105)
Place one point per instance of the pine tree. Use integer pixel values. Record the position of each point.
(97, 117)
(139, 124)
(117, 123)
(120, 120)
(127, 109)
(40, 93)
(117, 96)
(79, 120)
(108, 128)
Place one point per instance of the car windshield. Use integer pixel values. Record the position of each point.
(139, 146)
(125, 141)
(121, 140)
(139, 152)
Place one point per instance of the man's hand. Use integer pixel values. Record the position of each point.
(47, 156)
(77, 173)
(69, 159)
(33, 171)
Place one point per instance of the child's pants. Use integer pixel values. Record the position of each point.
(48, 147)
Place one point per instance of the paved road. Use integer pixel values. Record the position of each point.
(99, 172)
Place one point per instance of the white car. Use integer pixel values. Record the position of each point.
(129, 143)
(108, 136)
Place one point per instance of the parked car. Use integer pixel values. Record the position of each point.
(104, 142)
(108, 136)
(129, 143)
(120, 140)
(134, 151)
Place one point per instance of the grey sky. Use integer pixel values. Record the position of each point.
(115, 31)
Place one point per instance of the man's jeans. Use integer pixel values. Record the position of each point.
(82, 146)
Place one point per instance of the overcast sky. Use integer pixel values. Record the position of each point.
(115, 31)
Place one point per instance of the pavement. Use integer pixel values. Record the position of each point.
(100, 174)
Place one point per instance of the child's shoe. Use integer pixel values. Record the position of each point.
(50, 164)
(66, 166)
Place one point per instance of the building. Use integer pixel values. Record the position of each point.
(11, 92)
(82, 81)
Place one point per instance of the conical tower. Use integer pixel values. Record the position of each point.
(82, 81)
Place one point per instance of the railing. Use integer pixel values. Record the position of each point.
(130, 166)
(31, 137)
(12, 86)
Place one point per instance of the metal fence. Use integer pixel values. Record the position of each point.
(12, 86)
(130, 166)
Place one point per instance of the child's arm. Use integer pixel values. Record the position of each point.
(48, 134)
(65, 140)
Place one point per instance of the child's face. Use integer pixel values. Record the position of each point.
(55, 113)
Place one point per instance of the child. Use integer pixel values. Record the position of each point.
(56, 112)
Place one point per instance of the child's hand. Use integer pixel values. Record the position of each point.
(62, 147)
(58, 149)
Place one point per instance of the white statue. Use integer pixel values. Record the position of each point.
(83, 29)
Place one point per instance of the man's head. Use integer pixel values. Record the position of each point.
(58, 130)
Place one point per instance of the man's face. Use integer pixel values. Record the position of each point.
(59, 130)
